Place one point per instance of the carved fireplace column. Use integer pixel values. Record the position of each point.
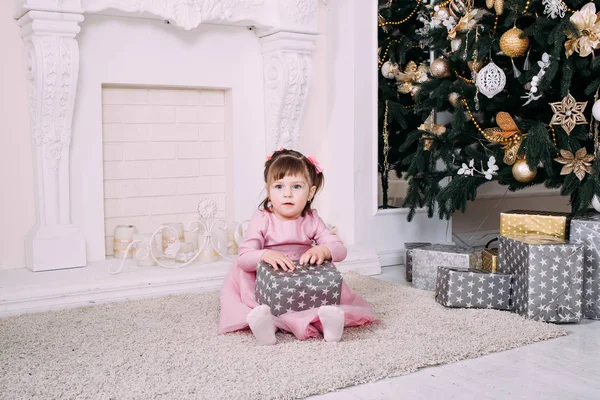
(287, 73)
(52, 61)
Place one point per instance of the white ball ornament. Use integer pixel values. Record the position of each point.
(596, 202)
(596, 110)
(388, 69)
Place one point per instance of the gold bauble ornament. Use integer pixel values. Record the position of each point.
(522, 172)
(497, 5)
(442, 13)
(475, 66)
(512, 44)
(440, 68)
(454, 98)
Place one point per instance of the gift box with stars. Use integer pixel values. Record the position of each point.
(472, 289)
(308, 286)
(585, 230)
(547, 277)
(542, 223)
(426, 260)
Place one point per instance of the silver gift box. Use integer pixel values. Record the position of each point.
(427, 260)
(547, 277)
(472, 289)
(308, 286)
(585, 230)
(409, 247)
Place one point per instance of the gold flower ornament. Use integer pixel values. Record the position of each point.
(431, 129)
(412, 74)
(578, 164)
(588, 23)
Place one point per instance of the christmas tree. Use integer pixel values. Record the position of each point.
(521, 81)
(401, 43)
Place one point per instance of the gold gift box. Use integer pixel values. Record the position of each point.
(489, 260)
(540, 223)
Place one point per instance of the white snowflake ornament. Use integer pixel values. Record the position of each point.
(491, 80)
(554, 8)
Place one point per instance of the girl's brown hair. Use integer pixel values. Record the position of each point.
(286, 162)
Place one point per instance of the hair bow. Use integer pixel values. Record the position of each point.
(270, 156)
(314, 162)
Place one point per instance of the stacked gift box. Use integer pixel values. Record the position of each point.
(585, 231)
(547, 276)
(472, 288)
(536, 271)
(546, 268)
(427, 259)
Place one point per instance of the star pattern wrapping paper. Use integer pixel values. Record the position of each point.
(585, 230)
(472, 289)
(308, 286)
(427, 260)
(543, 223)
(410, 246)
(547, 277)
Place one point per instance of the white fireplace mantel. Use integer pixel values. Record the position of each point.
(286, 30)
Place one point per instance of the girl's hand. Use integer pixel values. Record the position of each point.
(276, 258)
(316, 255)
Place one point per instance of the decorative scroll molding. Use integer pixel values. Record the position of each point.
(187, 14)
(287, 76)
(267, 16)
(52, 61)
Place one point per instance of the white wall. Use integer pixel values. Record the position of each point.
(339, 128)
(17, 202)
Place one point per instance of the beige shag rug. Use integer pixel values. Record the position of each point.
(168, 348)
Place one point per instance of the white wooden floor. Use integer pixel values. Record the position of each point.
(560, 369)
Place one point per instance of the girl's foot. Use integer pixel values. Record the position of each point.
(332, 319)
(261, 324)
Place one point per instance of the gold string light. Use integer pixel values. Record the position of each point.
(472, 118)
(567, 7)
(463, 78)
(386, 142)
(553, 135)
(404, 20)
(526, 6)
(382, 60)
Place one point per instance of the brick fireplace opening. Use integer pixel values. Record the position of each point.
(163, 150)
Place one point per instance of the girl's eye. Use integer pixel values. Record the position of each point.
(278, 186)
(297, 186)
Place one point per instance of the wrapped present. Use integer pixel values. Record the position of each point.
(541, 223)
(426, 261)
(547, 277)
(308, 286)
(489, 260)
(409, 246)
(585, 230)
(472, 289)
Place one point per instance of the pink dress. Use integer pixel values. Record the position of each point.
(267, 232)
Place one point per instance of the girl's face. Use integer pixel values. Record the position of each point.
(289, 196)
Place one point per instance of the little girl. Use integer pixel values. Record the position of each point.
(287, 229)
